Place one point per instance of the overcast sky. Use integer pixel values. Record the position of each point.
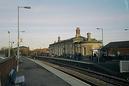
(48, 19)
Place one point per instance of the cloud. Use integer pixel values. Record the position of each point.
(48, 19)
(127, 4)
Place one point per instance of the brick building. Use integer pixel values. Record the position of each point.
(40, 52)
(24, 51)
(120, 48)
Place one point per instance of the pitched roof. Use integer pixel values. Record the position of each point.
(71, 40)
(120, 44)
(80, 39)
(21, 47)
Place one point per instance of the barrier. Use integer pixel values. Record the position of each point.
(5, 67)
(14, 80)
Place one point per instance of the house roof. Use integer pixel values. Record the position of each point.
(120, 44)
(79, 39)
(70, 40)
(21, 47)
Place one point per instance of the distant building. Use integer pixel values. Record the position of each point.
(24, 51)
(40, 52)
(120, 48)
(76, 45)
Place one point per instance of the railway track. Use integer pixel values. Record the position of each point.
(92, 77)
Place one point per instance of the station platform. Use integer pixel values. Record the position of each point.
(39, 74)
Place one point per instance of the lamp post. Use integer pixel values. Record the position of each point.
(18, 37)
(12, 44)
(102, 38)
(22, 31)
(21, 37)
(126, 29)
(102, 33)
(9, 44)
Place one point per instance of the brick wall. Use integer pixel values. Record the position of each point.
(5, 66)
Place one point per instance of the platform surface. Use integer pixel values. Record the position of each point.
(35, 75)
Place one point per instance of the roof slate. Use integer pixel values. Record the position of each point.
(120, 44)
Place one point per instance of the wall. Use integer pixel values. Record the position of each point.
(123, 51)
(5, 67)
(87, 48)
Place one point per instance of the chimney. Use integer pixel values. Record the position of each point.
(88, 36)
(77, 32)
(58, 38)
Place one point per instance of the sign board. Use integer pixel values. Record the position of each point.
(124, 66)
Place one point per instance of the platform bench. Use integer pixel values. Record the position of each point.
(16, 80)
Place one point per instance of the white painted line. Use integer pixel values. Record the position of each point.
(69, 79)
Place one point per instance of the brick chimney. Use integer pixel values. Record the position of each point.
(58, 38)
(77, 32)
(88, 36)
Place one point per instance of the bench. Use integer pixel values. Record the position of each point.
(20, 80)
(15, 80)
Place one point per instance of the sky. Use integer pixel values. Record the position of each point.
(48, 19)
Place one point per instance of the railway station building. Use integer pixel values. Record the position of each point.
(86, 46)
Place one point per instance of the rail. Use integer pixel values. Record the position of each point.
(101, 76)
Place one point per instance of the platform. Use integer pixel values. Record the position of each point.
(38, 74)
